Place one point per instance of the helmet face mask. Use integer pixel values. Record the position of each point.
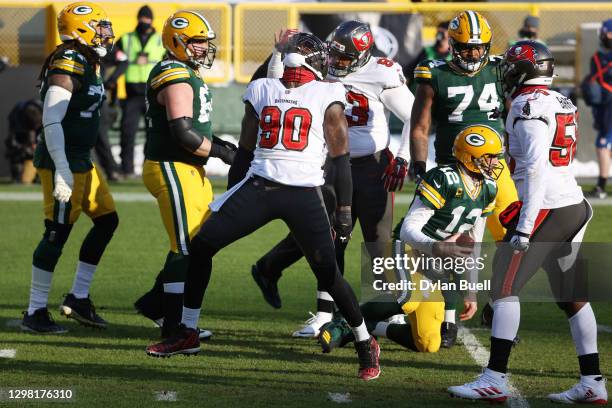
(489, 165)
(104, 39)
(312, 51)
(350, 47)
(202, 53)
(525, 63)
(462, 58)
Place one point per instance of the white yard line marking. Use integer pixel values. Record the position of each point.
(481, 355)
(339, 397)
(8, 353)
(166, 396)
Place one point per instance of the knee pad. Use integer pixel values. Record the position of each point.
(107, 223)
(56, 234)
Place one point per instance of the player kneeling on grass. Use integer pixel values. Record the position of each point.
(542, 133)
(288, 127)
(72, 91)
(450, 201)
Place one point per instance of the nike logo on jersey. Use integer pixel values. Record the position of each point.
(436, 183)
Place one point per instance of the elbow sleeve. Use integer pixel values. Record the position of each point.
(182, 130)
(54, 109)
(343, 183)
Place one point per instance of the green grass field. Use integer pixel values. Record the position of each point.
(251, 360)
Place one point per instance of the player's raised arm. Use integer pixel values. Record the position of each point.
(336, 136)
(420, 121)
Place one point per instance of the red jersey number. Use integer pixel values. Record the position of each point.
(295, 127)
(563, 148)
(386, 62)
(360, 109)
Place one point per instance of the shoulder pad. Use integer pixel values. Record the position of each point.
(532, 106)
(68, 62)
(438, 184)
(166, 62)
(389, 73)
(169, 73)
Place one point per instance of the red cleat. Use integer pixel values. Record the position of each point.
(368, 353)
(184, 341)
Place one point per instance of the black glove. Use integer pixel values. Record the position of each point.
(343, 224)
(416, 170)
(223, 150)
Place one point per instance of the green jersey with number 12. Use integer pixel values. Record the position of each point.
(460, 101)
(82, 119)
(455, 210)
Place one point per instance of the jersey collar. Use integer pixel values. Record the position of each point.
(529, 89)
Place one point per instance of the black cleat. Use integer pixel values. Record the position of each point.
(486, 316)
(448, 331)
(269, 289)
(83, 311)
(41, 322)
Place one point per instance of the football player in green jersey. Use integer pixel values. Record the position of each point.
(179, 143)
(71, 90)
(450, 200)
(454, 95)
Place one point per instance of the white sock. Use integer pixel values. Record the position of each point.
(381, 329)
(324, 316)
(449, 316)
(39, 291)
(176, 288)
(82, 280)
(324, 296)
(500, 377)
(361, 332)
(584, 330)
(190, 317)
(506, 318)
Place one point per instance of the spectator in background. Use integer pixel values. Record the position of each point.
(529, 30)
(141, 49)
(441, 49)
(597, 92)
(25, 122)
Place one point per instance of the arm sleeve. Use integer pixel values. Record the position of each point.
(411, 231)
(54, 109)
(275, 66)
(532, 137)
(399, 100)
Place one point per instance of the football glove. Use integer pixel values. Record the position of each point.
(343, 224)
(63, 185)
(416, 170)
(520, 241)
(223, 150)
(395, 173)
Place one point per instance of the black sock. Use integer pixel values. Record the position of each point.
(173, 310)
(601, 182)
(326, 306)
(500, 354)
(589, 364)
(402, 335)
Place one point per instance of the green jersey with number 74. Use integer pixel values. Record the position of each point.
(461, 100)
(82, 119)
(456, 209)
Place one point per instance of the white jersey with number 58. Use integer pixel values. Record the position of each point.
(542, 133)
(291, 144)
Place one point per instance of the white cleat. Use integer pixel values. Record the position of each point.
(489, 386)
(312, 326)
(204, 334)
(587, 391)
(397, 319)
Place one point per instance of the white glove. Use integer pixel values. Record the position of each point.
(520, 241)
(63, 185)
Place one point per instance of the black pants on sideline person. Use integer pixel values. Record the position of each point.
(133, 109)
(102, 147)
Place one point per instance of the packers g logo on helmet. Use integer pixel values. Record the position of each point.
(185, 28)
(82, 10)
(479, 149)
(468, 30)
(179, 22)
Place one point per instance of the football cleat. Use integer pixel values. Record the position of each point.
(204, 334)
(397, 319)
(184, 341)
(597, 193)
(448, 331)
(312, 326)
(489, 386)
(368, 352)
(587, 391)
(336, 333)
(41, 322)
(83, 311)
(486, 316)
(269, 288)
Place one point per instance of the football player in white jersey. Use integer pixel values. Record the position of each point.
(375, 87)
(542, 133)
(288, 128)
